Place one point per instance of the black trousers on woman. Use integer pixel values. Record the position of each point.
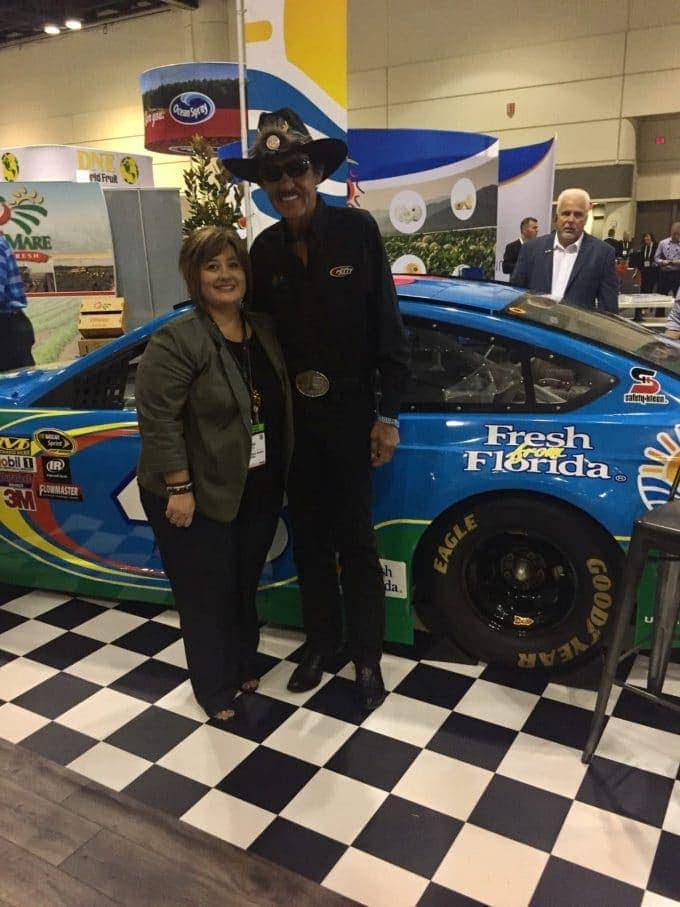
(214, 569)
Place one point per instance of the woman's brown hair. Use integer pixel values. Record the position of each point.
(202, 246)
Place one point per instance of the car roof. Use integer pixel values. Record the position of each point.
(483, 296)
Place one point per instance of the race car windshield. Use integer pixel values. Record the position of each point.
(607, 330)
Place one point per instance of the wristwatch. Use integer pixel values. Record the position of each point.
(387, 420)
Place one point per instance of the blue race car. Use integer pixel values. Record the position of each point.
(532, 435)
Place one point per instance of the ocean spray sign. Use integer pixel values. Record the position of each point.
(188, 99)
(191, 107)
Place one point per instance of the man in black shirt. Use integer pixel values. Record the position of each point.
(323, 275)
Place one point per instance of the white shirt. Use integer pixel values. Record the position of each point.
(563, 264)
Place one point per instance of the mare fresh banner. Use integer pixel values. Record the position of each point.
(61, 237)
(433, 194)
(188, 99)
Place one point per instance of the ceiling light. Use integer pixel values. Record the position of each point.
(51, 29)
(73, 24)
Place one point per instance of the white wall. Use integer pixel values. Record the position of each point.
(584, 70)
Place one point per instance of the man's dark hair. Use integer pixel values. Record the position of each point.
(611, 231)
(527, 220)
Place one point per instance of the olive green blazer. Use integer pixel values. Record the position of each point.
(194, 411)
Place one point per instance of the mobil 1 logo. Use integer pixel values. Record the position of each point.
(56, 469)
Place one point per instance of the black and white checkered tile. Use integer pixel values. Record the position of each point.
(465, 788)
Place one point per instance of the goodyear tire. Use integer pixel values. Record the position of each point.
(520, 581)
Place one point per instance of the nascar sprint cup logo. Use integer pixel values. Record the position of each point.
(191, 107)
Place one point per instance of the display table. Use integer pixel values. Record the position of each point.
(637, 302)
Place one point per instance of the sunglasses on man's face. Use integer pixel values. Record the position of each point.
(272, 173)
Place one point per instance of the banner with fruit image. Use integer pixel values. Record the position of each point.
(432, 192)
(61, 237)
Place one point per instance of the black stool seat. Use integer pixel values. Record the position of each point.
(658, 529)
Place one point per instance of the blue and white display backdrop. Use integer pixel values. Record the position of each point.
(526, 179)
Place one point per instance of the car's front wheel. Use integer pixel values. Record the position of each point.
(520, 581)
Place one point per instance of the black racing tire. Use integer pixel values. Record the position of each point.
(520, 581)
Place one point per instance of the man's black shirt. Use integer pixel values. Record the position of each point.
(339, 314)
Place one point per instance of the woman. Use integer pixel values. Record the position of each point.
(649, 272)
(215, 422)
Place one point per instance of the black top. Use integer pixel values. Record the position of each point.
(267, 383)
(511, 255)
(339, 315)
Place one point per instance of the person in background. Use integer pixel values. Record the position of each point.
(626, 245)
(668, 260)
(612, 241)
(16, 331)
(323, 274)
(528, 229)
(570, 265)
(644, 261)
(215, 420)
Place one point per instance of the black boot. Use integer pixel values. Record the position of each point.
(369, 686)
(308, 673)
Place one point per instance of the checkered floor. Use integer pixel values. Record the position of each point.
(465, 788)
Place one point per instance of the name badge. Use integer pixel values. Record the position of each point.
(647, 264)
(258, 451)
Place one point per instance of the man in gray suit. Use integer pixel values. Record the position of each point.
(570, 265)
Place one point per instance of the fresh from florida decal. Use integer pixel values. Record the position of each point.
(656, 473)
(646, 387)
(562, 452)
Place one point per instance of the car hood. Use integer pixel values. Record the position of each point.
(24, 384)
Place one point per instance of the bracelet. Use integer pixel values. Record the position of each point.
(387, 420)
(184, 488)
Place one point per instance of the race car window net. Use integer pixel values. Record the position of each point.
(453, 368)
(615, 332)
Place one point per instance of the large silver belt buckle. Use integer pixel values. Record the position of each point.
(312, 383)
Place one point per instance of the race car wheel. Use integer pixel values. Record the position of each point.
(520, 581)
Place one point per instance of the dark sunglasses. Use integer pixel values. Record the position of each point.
(272, 173)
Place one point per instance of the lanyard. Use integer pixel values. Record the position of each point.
(245, 368)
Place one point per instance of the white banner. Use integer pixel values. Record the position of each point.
(525, 189)
(76, 164)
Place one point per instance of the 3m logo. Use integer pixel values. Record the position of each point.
(19, 498)
(341, 270)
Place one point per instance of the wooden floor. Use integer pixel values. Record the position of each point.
(68, 841)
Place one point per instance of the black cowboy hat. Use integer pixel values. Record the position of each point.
(279, 133)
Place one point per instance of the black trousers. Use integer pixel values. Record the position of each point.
(16, 340)
(330, 497)
(669, 281)
(648, 279)
(214, 569)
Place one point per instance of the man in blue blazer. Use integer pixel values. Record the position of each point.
(570, 265)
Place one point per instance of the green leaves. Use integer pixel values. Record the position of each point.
(214, 199)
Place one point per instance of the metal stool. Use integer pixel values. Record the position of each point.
(659, 529)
